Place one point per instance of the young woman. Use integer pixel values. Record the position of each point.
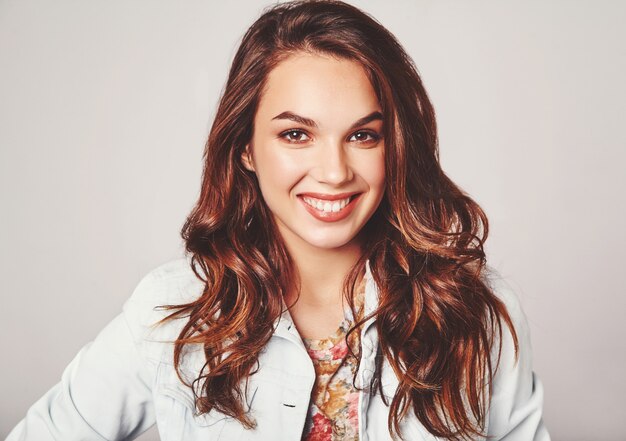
(335, 285)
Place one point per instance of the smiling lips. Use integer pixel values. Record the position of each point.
(329, 208)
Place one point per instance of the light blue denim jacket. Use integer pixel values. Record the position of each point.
(124, 381)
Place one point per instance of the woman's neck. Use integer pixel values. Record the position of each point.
(321, 271)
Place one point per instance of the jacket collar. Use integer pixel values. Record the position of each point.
(284, 328)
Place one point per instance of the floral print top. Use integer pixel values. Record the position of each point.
(333, 410)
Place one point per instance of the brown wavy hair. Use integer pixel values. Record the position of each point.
(437, 318)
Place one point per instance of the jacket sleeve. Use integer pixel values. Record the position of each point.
(516, 408)
(105, 392)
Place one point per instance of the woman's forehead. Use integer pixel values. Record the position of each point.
(326, 89)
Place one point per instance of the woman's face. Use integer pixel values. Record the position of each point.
(318, 150)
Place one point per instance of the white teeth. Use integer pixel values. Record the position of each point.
(327, 206)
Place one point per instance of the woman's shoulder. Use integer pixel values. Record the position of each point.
(168, 283)
(171, 283)
(506, 353)
(517, 393)
(508, 295)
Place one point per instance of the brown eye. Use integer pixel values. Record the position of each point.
(295, 136)
(365, 136)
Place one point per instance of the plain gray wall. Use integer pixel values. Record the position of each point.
(105, 107)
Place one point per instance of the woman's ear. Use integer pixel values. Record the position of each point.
(246, 158)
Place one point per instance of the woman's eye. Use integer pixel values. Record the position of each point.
(295, 136)
(365, 137)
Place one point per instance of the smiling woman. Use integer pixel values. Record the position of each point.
(321, 183)
(336, 285)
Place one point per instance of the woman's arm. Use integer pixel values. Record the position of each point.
(105, 393)
(516, 407)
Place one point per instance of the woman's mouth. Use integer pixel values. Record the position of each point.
(329, 211)
(327, 206)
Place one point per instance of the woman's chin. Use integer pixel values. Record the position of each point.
(332, 242)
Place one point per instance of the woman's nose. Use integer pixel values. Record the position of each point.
(333, 165)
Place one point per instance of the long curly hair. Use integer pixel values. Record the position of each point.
(437, 318)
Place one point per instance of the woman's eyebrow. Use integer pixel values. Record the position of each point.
(376, 115)
(297, 118)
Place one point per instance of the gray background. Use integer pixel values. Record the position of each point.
(105, 107)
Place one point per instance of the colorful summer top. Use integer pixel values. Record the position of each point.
(333, 411)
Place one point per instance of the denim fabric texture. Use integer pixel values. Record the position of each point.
(124, 381)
